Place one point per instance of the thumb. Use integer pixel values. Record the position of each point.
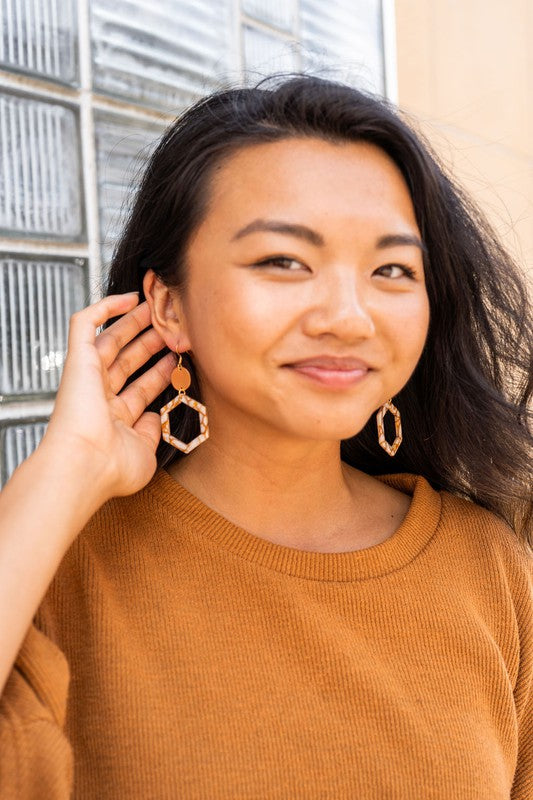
(148, 426)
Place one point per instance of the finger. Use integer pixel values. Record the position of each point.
(83, 324)
(131, 403)
(132, 357)
(149, 427)
(120, 333)
(83, 362)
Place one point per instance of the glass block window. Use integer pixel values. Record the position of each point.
(17, 442)
(264, 53)
(40, 37)
(162, 54)
(122, 150)
(344, 38)
(37, 299)
(281, 14)
(40, 176)
(101, 81)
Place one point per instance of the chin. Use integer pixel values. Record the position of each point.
(329, 433)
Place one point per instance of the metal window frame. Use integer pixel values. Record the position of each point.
(390, 55)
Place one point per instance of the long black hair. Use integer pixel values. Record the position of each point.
(465, 408)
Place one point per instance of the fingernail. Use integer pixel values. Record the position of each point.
(134, 292)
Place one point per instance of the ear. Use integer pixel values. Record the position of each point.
(167, 312)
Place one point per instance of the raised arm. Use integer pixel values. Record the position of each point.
(100, 443)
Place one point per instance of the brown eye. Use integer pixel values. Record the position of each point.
(284, 262)
(395, 271)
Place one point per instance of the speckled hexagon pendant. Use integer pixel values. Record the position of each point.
(165, 423)
(391, 449)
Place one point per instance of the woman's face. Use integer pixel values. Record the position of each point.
(309, 251)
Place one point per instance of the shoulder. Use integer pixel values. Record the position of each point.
(467, 534)
(483, 527)
(490, 541)
(127, 518)
(485, 557)
(108, 555)
(117, 534)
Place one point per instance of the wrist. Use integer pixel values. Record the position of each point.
(73, 475)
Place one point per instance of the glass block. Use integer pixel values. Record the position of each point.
(122, 150)
(265, 53)
(40, 183)
(37, 299)
(280, 13)
(17, 442)
(163, 55)
(40, 37)
(344, 42)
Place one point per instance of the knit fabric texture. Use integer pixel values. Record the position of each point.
(177, 655)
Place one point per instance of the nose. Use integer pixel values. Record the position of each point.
(339, 306)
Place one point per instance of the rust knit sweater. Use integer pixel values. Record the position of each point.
(179, 656)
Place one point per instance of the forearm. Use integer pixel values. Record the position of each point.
(45, 504)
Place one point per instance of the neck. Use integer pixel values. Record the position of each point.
(291, 491)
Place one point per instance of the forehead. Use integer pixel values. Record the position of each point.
(354, 182)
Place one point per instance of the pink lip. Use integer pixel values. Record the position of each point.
(331, 362)
(337, 373)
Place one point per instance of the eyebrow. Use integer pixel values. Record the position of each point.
(316, 239)
(290, 228)
(395, 239)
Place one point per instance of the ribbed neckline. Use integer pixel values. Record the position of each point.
(400, 549)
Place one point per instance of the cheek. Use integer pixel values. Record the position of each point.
(411, 327)
(233, 322)
(404, 324)
(255, 314)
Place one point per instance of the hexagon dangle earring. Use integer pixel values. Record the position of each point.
(181, 380)
(391, 449)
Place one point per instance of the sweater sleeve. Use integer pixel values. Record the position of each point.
(36, 757)
(523, 779)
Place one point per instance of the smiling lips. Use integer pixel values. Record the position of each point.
(337, 373)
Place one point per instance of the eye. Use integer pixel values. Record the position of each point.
(395, 271)
(283, 262)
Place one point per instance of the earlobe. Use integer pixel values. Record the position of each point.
(166, 312)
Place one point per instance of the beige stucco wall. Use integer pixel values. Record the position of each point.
(465, 68)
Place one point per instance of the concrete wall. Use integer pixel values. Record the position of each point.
(465, 68)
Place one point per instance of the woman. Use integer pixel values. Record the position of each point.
(273, 613)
